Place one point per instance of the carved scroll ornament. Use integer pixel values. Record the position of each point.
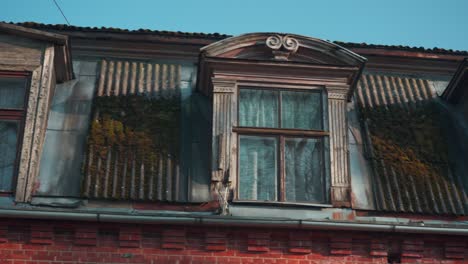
(282, 46)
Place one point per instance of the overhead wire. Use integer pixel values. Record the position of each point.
(60, 9)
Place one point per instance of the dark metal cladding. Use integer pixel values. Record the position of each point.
(67, 128)
(405, 126)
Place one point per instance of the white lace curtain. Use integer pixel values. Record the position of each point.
(304, 170)
(299, 110)
(12, 93)
(258, 169)
(8, 138)
(258, 155)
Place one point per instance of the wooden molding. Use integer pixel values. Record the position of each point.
(291, 47)
(339, 96)
(35, 123)
(277, 131)
(339, 160)
(223, 89)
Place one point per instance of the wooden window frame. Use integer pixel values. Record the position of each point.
(281, 134)
(19, 115)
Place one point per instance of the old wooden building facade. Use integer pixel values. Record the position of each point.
(143, 146)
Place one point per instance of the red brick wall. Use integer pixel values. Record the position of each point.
(28, 241)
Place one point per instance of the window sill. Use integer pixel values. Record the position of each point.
(282, 204)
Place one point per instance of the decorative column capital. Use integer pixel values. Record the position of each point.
(339, 96)
(223, 85)
(337, 92)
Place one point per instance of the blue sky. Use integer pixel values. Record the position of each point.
(426, 23)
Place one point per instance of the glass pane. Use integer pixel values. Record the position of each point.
(304, 170)
(258, 108)
(301, 110)
(12, 92)
(258, 168)
(8, 137)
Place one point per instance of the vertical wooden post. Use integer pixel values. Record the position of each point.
(339, 167)
(37, 112)
(224, 118)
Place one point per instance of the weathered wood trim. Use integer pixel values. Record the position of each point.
(224, 126)
(282, 131)
(310, 50)
(223, 116)
(222, 85)
(28, 134)
(42, 82)
(234, 140)
(338, 96)
(282, 85)
(221, 152)
(339, 167)
(33, 33)
(42, 114)
(24, 68)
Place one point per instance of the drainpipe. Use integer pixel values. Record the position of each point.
(232, 221)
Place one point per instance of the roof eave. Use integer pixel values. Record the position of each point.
(33, 33)
(62, 59)
(456, 86)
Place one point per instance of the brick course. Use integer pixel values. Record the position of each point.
(29, 241)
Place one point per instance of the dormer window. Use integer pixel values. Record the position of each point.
(283, 143)
(279, 118)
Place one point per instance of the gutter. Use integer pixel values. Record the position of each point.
(231, 221)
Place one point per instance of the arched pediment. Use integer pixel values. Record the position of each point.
(282, 47)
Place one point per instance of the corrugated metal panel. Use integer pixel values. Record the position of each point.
(139, 78)
(126, 163)
(408, 147)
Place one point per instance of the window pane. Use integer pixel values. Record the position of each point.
(12, 92)
(258, 168)
(258, 108)
(301, 110)
(304, 170)
(8, 137)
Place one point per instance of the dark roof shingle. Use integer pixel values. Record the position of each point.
(219, 36)
(62, 27)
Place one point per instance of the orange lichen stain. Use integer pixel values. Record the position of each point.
(403, 159)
